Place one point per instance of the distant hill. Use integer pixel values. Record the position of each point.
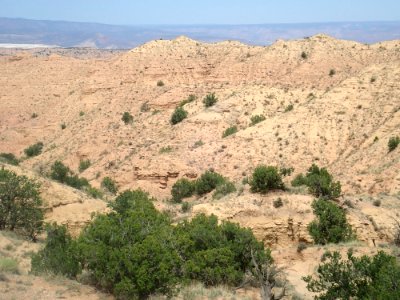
(74, 34)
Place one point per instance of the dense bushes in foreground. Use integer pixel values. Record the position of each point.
(376, 277)
(134, 251)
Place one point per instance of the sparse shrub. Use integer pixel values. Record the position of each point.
(266, 178)
(301, 247)
(394, 141)
(278, 202)
(286, 171)
(373, 79)
(348, 203)
(9, 265)
(94, 192)
(332, 72)
(304, 55)
(160, 83)
(377, 203)
(179, 115)
(331, 225)
(198, 143)
(208, 181)
(127, 118)
(34, 115)
(289, 108)
(34, 150)
(81, 113)
(364, 277)
(229, 131)
(181, 189)
(256, 119)
(63, 126)
(110, 185)
(84, 164)
(59, 256)
(145, 107)
(189, 99)
(223, 190)
(185, 207)
(376, 139)
(9, 158)
(20, 205)
(210, 100)
(167, 149)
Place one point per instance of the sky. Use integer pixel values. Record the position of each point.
(170, 12)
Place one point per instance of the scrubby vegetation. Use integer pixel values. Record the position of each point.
(266, 178)
(229, 131)
(134, 251)
(160, 83)
(9, 158)
(364, 277)
(179, 115)
(256, 119)
(320, 183)
(331, 225)
(210, 100)
(189, 99)
(84, 164)
(34, 150)
(20, 205)
(394, 141)
(181, 189)
(127, 118)
(109, 185)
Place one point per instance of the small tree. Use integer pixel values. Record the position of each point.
(179, 115)
(210, 100)
(20, 204)
(127, 118)
(266, 178)
(34, 150)
(59, 172)
(320, 183)
(208, 181)
(331, 225)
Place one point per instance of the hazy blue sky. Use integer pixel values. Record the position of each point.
(134, 12)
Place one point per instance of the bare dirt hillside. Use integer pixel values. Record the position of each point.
(326, 101)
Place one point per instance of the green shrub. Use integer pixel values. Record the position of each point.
(278, 202)
(304, 55)
(127, 118)
(63, 174)
(181, 189)
(84, 164)
(223, 190)
(256, 119)
(208, 181)
(266, 178)
(110, 185)
(9, 158)
(299, 180)
(289, 108)
(34, 150)
(179, 115)
(364, 277)
(189, 99)
(331, 225)
(320, 183)
(81, 113)
(93, 192)
(229, 131)
(59, 255)
(77, 182)
(167, 149)
(160, 83)
(394, 141)
(210, 100)
(185, 207)
(20, 205)
(9, 265)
